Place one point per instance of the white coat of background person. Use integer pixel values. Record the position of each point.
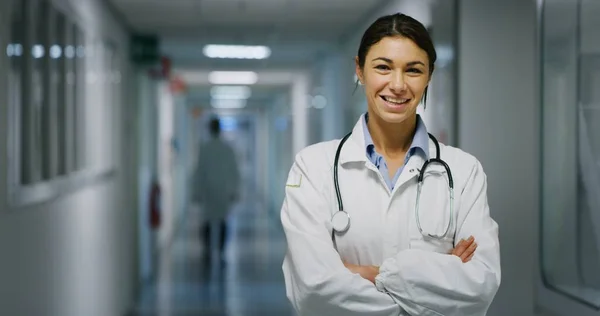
(386, 263)
(216, 185)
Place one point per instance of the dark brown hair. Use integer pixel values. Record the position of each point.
(214, 126)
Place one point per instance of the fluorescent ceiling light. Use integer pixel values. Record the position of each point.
(228, 103)
(230, 92)
(69, 51)
(55, 51)
(232, 77)
(14, 50)
(37, 51)
(237, 51)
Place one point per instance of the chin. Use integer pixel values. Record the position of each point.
(396, 117)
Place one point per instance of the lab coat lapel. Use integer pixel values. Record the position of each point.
(354, 148)
(415, 164)
(411, 170)
(354, 151)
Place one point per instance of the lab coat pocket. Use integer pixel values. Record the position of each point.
(431, 215)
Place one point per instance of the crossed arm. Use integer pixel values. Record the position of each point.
(413, 282)
(465, 250)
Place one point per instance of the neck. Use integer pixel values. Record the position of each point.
(392, 139)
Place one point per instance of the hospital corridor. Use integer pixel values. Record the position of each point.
(299, 157)
(247, 283)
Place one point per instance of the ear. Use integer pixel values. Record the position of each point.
(358, 70)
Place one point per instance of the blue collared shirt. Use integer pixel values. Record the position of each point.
(419, 146)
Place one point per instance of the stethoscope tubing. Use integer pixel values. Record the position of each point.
(437, 160)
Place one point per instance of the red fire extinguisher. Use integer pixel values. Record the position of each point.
(155, 206)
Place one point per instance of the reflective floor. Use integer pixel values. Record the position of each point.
(248, 282)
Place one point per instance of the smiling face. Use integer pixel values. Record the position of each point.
(395, 75)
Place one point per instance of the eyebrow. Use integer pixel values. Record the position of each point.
(387, 60)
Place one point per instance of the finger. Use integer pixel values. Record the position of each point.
(469, 258)
(462, 246)
(453, 250)
(458, 249)
(469, 251)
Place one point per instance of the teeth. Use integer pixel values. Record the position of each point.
(394, 100)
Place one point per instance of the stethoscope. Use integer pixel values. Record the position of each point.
(340, 221)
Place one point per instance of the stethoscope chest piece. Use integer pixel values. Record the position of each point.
(340, 221)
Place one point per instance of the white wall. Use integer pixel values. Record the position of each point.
(73, 255)
(146, 168)
(280, 151)
(166, 161)
(332, 87)
(299, 91)
(181, 165)
(499, 124)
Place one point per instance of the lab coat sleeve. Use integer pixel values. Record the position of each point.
(317, 282)
(235, 173)
(429, 283)
(199, 176)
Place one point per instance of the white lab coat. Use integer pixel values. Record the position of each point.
(216, 179)
(417, 275)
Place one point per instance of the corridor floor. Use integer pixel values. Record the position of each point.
(249, 283)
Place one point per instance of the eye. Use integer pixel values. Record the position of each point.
(415, 70)
(382, 67)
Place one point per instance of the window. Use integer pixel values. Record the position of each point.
(35, 105)
(42, 106)
(15, 52)
(46, 93)
(113, 79)
(59, 88)
(79, 99)
(34, 82)
(570, 226)
(104, 100)
(70, 95)
(53, 147)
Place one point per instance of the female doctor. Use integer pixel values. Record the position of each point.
(386, 221)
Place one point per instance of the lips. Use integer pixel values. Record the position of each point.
(395, 101)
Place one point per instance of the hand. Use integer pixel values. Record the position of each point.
(366, 272)
(465, 249)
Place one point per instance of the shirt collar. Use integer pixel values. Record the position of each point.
(420, 140)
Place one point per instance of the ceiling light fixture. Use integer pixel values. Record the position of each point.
(230, 92)
(228, 103)
(237, 51)
(232, 77)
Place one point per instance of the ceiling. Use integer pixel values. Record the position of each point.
(297, 31)
(254, 20)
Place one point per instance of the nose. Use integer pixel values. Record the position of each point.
(397, 83)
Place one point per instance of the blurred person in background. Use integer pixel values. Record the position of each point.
(215, 188)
